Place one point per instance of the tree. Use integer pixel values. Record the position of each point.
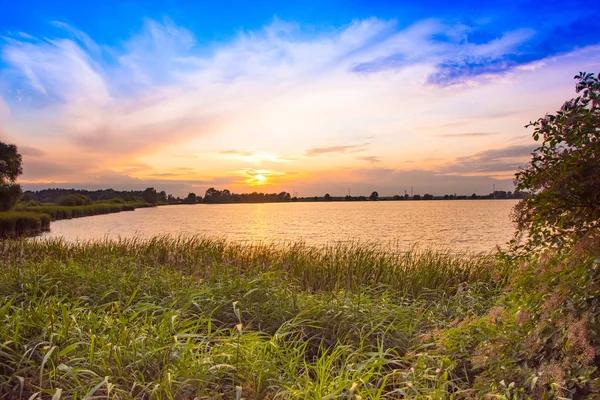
(212, 195)
(191, 198)
(374, 196)
(150, 196)
(327, 197)
(563, 177)
(10, 163)
(10, 169)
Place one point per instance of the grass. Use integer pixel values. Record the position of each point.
(197, 317)
(22, 223)
(185, 318)
(57, 212)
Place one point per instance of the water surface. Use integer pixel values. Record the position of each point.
(473, 225)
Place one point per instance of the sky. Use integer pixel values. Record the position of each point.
(307, 97)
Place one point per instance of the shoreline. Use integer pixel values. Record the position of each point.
(35, 220)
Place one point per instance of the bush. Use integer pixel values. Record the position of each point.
(541, 339)
(30, 203)
(74, 200)
(115, 200)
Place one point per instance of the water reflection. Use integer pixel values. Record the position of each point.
(476, 226)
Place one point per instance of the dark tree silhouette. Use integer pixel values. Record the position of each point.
(10, 169)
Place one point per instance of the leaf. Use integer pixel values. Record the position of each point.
(57, 394)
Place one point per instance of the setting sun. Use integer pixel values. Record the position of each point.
(257, 180)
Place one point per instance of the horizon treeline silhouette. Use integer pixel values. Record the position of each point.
(216, 196)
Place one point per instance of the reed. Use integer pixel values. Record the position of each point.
(198, 317)
(57, 212)
(22, 223)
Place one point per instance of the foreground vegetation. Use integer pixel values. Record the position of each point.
(200, 318)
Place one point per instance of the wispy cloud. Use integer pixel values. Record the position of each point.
(467, 134)
(236, 152)
(492, 161)
(370, 159)
(317, 151)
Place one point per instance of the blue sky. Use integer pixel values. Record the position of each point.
(321, 96)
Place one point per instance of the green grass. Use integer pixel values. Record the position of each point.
(185, 318)
(22, 223)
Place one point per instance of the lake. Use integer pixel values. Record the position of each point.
(472, 225)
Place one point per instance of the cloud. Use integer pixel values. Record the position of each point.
(236, 152)
(336, 149)
(492, 161)
(467, 135)
(371, 159)
(36, 170)
(162, 95)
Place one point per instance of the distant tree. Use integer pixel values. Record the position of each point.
(150, 196)
(417, 197)
(563, 177)
(212, 195)
(10, 169)
(427, 196)
(226, 196)
(283, 196)
(327, 197)
(162, 196)
(473, 196)
(374, 196)
(397, 197)
(191, 198)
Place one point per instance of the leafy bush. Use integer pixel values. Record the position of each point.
(564, 174)
(542, 337)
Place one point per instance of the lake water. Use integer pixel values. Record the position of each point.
(472, 225)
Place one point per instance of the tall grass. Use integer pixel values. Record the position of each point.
(57, 212)
(184, 318)
(22, 223)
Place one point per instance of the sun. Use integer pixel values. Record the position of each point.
(260, 179)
